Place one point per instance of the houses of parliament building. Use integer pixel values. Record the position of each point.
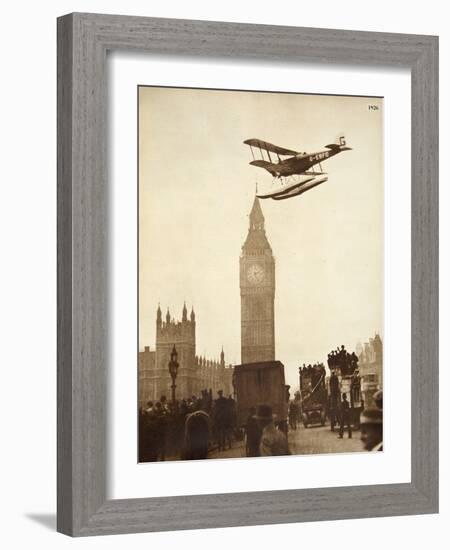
(194, 374)
(257, 290)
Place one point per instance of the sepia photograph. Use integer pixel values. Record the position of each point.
(260, 265)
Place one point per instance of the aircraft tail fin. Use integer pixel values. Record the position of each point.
(340, 144)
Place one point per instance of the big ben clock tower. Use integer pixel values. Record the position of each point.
(257, 282)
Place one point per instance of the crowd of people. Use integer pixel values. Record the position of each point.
(346, 411)
(180, 428)
(264, 437)
(342, 359)
(314, 373)
(193, 427)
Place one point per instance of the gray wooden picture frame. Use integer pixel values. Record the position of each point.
(83, 240)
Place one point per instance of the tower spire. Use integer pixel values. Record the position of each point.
(256, 238)
(184, 316)
(256, 216)
(158, 315)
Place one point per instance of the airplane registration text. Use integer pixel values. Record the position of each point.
(319, 156)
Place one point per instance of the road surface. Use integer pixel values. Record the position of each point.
(319, 440)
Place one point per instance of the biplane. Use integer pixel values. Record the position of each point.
(293, 172)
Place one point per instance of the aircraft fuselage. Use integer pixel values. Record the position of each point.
(300, 163)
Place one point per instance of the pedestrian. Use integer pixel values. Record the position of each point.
(150, 437)
(232, 413)
(334, 383)
(345, 417)
(332, 411)
(252, 434)
(378, 398)
(334, 398)
(164, 404)
(273, 441)
(355, 387)
(159, 430)
(221, 419)
(141, 435)
(196, 436)
(293, 414)
(371, 423)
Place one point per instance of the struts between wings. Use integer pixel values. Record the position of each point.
(293, 171)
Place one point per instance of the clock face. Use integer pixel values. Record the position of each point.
(255, 274)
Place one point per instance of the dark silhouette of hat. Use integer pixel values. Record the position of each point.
(264, 412)
(378, 398)
(371, 416)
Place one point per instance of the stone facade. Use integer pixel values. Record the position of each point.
(194, 374)
(370, 365)
(257, 284)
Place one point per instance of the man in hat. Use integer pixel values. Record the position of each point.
(378, 398)
(220, 419)
(197, 430)
(335, 396)
(273, 441)
(252, 433)
(371, 425)
(345, 417)
(160, 417)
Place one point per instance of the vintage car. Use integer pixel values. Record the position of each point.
(314, 408)
(314, 396)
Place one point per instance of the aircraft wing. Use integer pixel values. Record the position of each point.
(261, 163)
(269, 147)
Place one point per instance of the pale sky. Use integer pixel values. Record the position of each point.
(196, 189)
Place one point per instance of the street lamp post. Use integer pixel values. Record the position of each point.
(173, 369)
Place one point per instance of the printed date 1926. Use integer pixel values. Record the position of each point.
(372, 107)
